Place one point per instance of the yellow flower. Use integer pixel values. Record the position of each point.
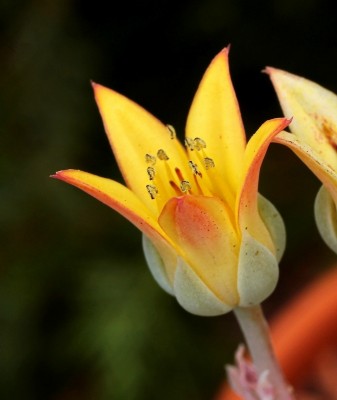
(205, 240)
(313, 139)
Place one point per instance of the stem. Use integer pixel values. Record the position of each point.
(256, 332)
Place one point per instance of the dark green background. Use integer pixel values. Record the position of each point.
(80, 316)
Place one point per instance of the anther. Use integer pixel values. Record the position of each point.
(199, 143)
(194, 168)
(189, 143)
(162, 155)
(185, 186)
(151, 172)
(209, 163)
(151, 160)
(172, 131)
(152, 190)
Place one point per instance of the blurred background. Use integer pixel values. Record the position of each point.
(80, 316)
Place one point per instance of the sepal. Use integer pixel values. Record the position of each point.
(156, 265)
(274, 223)
(326, 217)
(257, 272)
(193, 295)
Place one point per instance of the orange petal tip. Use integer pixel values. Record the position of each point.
(268, 70)
(61, 174)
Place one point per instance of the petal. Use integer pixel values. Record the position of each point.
(247, 210)
(122, 200)
(215, 117)
(133, 133)
(314, 112)
(202, 228)
(326, 218)
(312, 160)
(257, 273)
(194, 296)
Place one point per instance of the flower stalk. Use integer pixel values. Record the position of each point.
(256, 332)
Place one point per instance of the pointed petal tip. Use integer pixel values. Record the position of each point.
(93, 83)
(62, 174)
(223, 53)
(268, 70)
(283, 123)
(56, 175)
(97, 87)
(226, 50)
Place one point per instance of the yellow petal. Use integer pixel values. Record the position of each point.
(309, 156)
(122, 200)
(247, 209)
(202, 228)
(215, 117)
(133, 133)
(314, 112)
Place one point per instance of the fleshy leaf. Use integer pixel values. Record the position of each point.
(326, 217)
(257, 272)
(215, 117)
(193, 295)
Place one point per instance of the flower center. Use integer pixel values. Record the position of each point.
(166, 181)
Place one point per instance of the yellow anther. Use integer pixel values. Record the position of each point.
(149, 159)
(194, 168)
(152, 190)
(199, 143)
(209, 163)
(151, 172)
(185, 186)
(172, 131)
(162, 155)
(189, 143)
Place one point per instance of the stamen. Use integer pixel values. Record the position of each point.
(175, 188)
(162, 155)
(199, 143)
(209, 163)
(179, 174)
(151, 172)
(185, 186)
(149, 159)
(194, 168)
(189, 143)
(172, 131)
(152, 190)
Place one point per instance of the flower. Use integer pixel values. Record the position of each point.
(313, 139)
(247, 382)
(209, 239)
